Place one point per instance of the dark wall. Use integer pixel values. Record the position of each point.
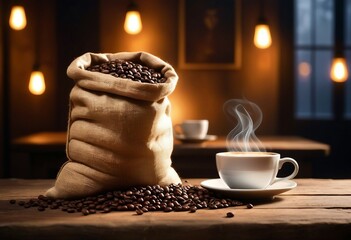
(77, 28)
(3, 96)
(201, 93)
(70, 28)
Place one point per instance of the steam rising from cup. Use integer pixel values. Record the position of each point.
(248, 117)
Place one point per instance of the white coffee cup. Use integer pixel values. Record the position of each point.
(192, 129)
(252, 170)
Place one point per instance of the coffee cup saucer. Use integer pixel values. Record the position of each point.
(185, 139)
(217, 185)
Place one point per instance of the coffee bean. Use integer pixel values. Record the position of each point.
(12, 201)
(178, 208)
(139, 211)
(168, 209)
(185, 207)
(152, 208)
(193, 209)
(121, 207)
(230, 214)
(71, 210)
(106, 210)
(85, 211)
(249, 206)
(129, 70)
(131, 206)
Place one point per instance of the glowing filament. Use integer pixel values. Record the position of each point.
(339, 72)
(37, 83)
(132, 24)
(18, 19)
(262, 37)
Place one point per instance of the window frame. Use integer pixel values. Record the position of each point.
(288, 123)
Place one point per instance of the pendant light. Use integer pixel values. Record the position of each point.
(37, 84)
(132, 23)
(18, 20)
(339, 71)
(262, 36)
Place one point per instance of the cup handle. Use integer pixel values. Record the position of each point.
(280, 164)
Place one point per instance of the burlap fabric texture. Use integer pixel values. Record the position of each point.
(119, 131)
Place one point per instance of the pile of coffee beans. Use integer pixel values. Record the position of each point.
(129, 70)
(138, 199)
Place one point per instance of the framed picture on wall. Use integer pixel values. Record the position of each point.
(209, 34)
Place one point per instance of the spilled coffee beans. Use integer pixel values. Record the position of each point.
(230, 214)
(129, 70)
(138, 199)
(249, 206)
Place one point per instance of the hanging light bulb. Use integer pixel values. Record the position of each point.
(339, 72)
(262, 37)
(18, 19)
(36, 82)
(132, 23)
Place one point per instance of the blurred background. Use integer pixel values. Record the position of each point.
(289, 79)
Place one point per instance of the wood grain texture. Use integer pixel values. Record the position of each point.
(316, 209)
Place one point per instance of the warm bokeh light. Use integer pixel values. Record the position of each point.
(132, 23)
(18, 19)
(262, 37)
(304, 69)
(339, 72)
(37, 83)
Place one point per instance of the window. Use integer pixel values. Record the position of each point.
(314, 50)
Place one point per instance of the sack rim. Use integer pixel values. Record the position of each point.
(102, 82)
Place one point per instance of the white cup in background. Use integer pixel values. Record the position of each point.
(252, 170)
(192, 129)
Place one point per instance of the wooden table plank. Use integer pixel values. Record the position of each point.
(271, 143)
(247, 224)
(23, 188)
(322, 187)
(316, 209)
(31, 217)
(304, 202)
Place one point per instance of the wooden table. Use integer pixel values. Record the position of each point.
(316, 209)
(285, 145)
(198, 160)
(56, 141)
(189, 159)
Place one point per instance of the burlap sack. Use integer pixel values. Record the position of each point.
(119, 131)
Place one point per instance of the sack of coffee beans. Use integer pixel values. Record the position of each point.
(119, 130)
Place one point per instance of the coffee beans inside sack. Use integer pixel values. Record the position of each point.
(129, 70)
(119, 130)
